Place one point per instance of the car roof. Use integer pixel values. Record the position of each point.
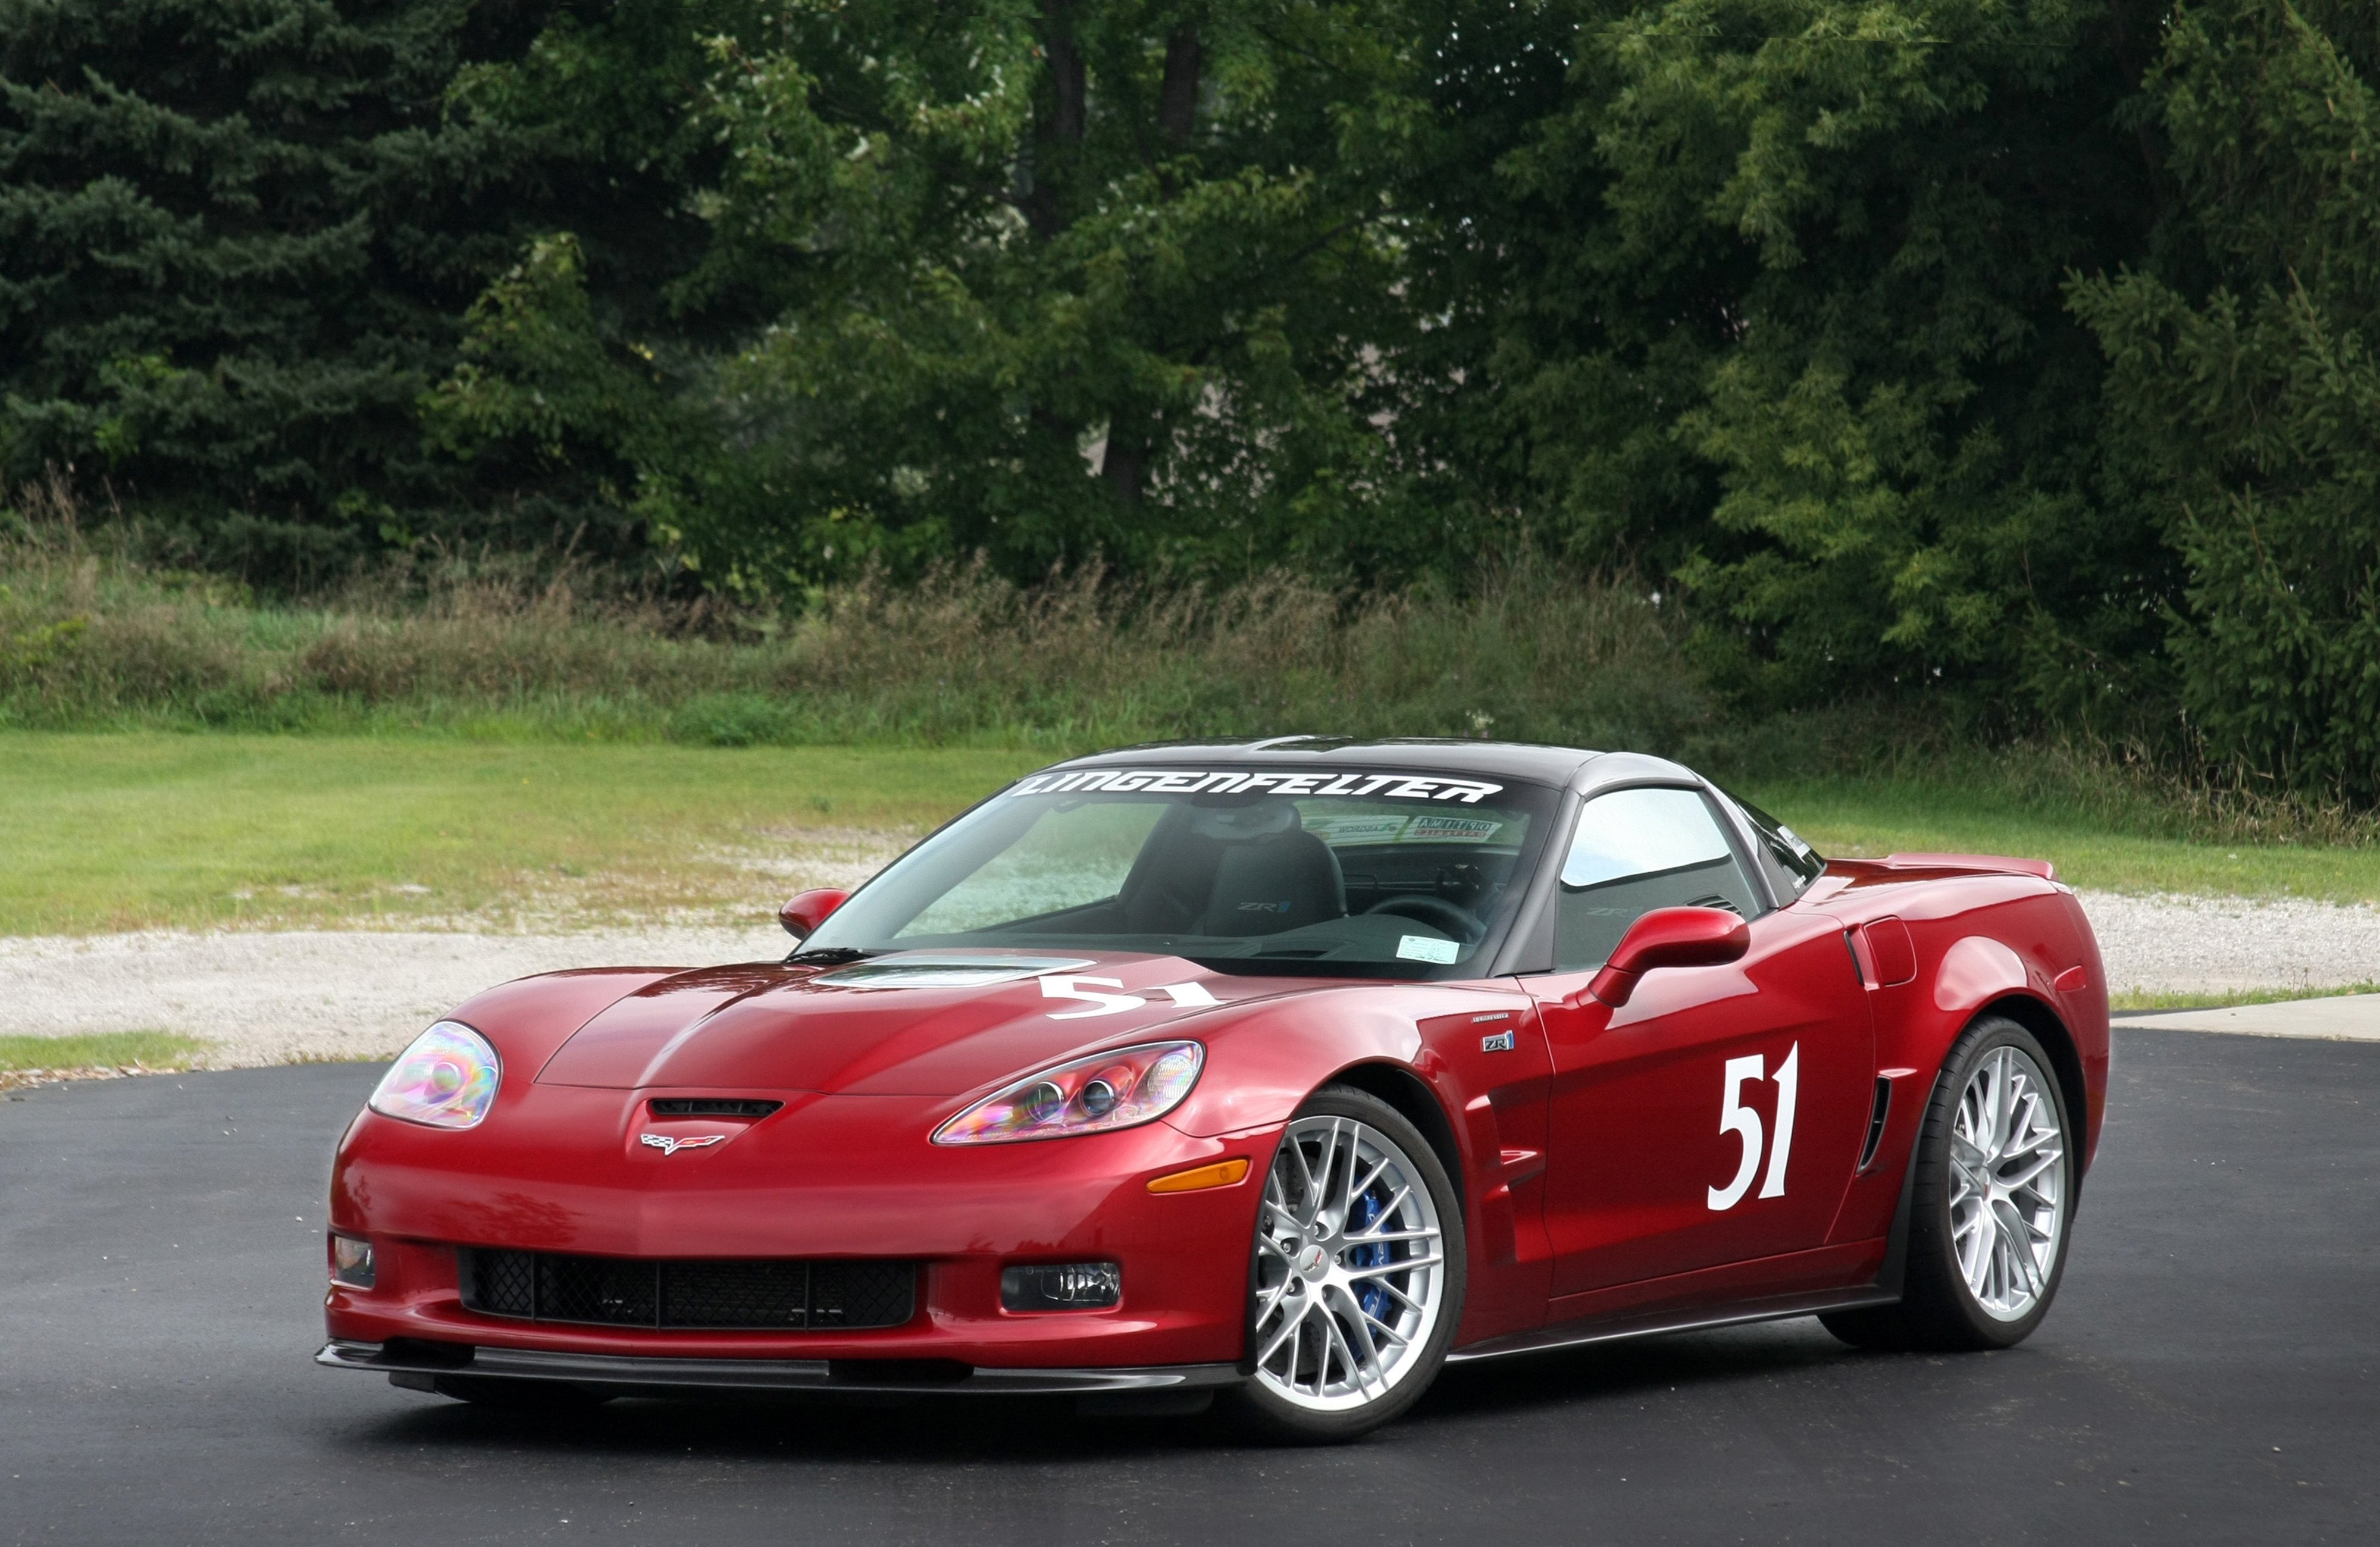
(1563, 767)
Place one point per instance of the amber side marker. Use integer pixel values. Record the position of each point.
(1222, 1174)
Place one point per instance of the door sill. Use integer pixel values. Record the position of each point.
(1612, 1325)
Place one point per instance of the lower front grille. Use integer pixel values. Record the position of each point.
(831, 1295)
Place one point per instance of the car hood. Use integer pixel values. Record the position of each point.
(916, 1024)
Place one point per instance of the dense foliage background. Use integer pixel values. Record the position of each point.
(2010, 357)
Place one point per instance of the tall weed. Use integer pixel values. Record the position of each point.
(91, 636)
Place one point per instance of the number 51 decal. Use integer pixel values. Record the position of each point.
(1737, 1118)
(1189, 997)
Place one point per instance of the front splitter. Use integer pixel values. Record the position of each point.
(818, 1375)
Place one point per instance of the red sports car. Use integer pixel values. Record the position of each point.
(1284, 1071)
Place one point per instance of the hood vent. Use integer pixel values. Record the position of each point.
(711, 1106)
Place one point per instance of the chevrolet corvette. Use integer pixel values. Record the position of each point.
(1279, 1073)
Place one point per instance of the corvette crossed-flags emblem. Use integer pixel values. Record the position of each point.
(669, 1146)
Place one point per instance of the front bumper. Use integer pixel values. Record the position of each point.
(835, 1178)
(430, 1361)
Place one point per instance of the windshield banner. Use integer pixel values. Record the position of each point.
(1240, 781)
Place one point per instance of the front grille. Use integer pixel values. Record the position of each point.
(691, 1293)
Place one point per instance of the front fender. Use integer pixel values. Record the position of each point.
(527, 1018)
(1433, 1040)
(1261, 1068)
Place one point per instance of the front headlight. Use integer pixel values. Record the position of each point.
(446, 1079)
(1098, 1094)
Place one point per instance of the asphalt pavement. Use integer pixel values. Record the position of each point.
(2206, 1375)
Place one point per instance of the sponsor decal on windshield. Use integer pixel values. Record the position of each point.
(1352, 831)
(1238, 781)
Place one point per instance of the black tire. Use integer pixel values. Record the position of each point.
(1937, 1311)
(1256, 1410)
(504, 1393)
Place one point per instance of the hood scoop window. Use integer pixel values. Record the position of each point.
(709, 1106)
(940, 969)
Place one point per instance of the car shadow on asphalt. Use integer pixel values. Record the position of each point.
(750, 1428)
(1612, 1373)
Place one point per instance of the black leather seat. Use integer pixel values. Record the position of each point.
(1275, 884)
(1209, 872)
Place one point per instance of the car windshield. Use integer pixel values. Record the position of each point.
(1356, 874)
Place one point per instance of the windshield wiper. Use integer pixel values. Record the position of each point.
(833, 955)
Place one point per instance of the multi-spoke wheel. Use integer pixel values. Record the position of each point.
(1989, 1205)
(1357, 1278)
(2007, 1190)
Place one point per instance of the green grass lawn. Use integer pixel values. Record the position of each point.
(109, 1050)
(119, 832)
(146, 830)
(1870, 818)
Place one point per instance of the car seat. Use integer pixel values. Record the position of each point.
(1233, 871)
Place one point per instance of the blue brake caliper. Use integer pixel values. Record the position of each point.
(1365, 1212)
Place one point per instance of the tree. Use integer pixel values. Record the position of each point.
(236, 244)
(1049, 282)
(2245, 386)
(1786, 317)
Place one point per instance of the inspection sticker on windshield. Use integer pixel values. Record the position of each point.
(1240, 781)
(1423, 947)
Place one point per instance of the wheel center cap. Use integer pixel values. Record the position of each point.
(1313, 1262)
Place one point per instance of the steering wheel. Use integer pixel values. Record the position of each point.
(1464, 924)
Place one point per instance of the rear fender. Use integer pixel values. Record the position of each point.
(2007, 954)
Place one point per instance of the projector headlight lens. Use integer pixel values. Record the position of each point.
(1098, 1094)
(446, 1079)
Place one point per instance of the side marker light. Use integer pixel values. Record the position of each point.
(1222, 1174)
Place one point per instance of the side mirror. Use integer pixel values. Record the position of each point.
(805, 911)
(1670, 937)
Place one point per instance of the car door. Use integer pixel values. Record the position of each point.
(1716, 1118)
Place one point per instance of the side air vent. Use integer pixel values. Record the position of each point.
(1875, 1123)
(711, 1106)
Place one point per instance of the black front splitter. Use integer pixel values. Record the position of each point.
(424, 1362)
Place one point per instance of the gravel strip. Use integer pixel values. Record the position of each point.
(310, 993)
(271, 998)
(2178, 944)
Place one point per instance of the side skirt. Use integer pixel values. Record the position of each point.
(1638, 1309)
(1572, 1334)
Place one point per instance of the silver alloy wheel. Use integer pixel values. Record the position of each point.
(1350, 1266)
(2008, 1189)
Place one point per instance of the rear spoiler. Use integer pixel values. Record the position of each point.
(1988, 864)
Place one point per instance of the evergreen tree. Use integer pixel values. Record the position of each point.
(236, 240)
